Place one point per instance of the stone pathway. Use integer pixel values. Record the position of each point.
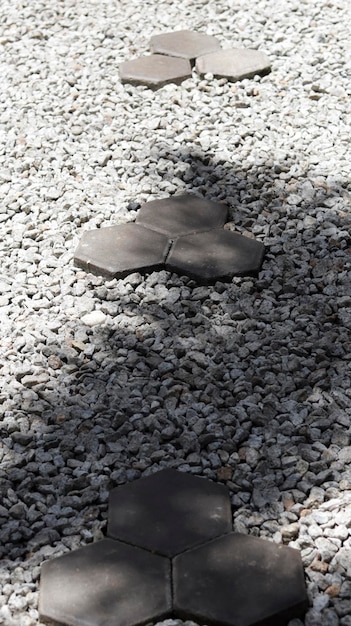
(170, 552)
(183, 234)
(174, 53)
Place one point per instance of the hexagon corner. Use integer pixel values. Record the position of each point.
(107, 582)
(169, 512)
(186, 44)
(215, 255)
(116, 251)
(181, 215)
(239, 579)
(155, 71)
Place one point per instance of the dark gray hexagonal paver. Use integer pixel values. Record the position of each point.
(105, 584)
(187, 44)
(238, 580)
(155, 70)
(234, 64)
(215, 255)
(116, 251)
(169, 511)
(182, 215)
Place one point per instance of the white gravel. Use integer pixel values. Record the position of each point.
(103, 382)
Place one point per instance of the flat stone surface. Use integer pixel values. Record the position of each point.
(187, 44)
(234, 64)
(155, 70)
(182, 215)
(104, 584)
(169, 512)
(116, 251)
(239, 580)
(215, 255)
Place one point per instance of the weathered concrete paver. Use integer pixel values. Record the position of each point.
(234, 64)
(186, 44)
(155, 70)
(116, 251)
(171, 553)
(239, 579)
(169, 512)
(182, 215)
(182, 234)
(106, 583)
(192, 48)
(215, 255)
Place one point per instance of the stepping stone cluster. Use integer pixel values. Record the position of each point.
(182, 234)
(174, 54)
(170, 553)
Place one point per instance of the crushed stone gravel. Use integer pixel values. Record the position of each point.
(247, 383)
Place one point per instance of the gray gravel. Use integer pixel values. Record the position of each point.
(103, 382)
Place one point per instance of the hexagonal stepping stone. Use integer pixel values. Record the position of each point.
(215, 255)
(234, 64)
(186, 44)
(105, 583)
(182, 215)
(116, 251)
(169, 512)
(155, 70)
(238, 579)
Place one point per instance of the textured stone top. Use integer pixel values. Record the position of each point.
(234, 64)
(184, 43)
(155, 70)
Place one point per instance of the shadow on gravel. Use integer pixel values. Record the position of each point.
(244, 382)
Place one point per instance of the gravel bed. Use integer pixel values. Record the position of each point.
(246, 383)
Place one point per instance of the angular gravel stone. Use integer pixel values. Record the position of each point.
(186, 44)
(107, 582)
(169, 512)
(239, 579)
(234, 64)
(116, 251)
(215, 255)
(155, 70)
(94, 318)
(182, 215)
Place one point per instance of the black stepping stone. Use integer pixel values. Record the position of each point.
(181, 233)
(155, 70)
(187, 44)
(116, 251)
(182, 215)
(234, 64)
(203, 572)
(169, 512)
(239, 580)
(105, 584)
(215, 255)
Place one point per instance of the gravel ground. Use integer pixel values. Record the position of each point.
(247, 383)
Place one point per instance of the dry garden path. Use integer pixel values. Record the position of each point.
(175, 438)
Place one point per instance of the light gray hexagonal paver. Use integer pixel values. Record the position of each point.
(182, 215)
(116, 251)
(155, 70)
(239, 580)
(215, 255)
(234, 64)
(186, 44)
(104, 584)
(169, 512)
